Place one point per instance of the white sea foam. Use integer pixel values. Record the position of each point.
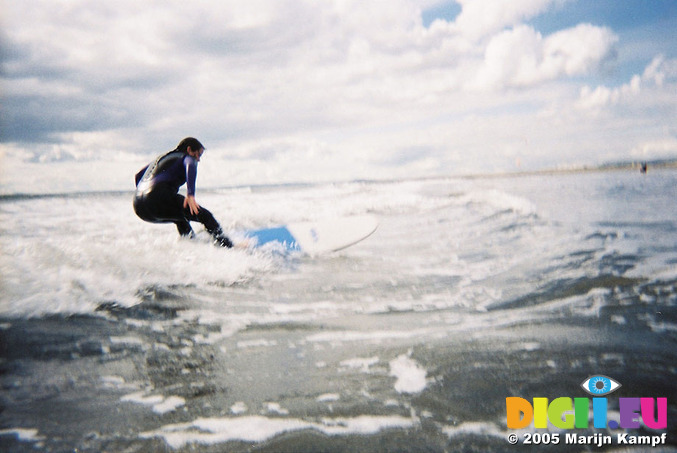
(501, 201)
(411, 377)
(169, 404)
(117, 383)
(276, 408)
(23, 434)
(68, 257)
(128, 340)
(258, 429)
(238, 408)
(69, 254)
(479, 428)
(258, 343)
(359, 363)
(328, 397)
(375, 336)
(160, 404)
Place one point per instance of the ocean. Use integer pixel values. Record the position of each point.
(116, 335)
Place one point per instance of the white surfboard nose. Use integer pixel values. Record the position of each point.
(329, 235)
(314, 238)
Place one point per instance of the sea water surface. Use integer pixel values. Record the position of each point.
(116, 335)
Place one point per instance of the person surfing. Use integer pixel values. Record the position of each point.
(157, 198)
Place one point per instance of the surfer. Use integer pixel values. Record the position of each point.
(157, 197)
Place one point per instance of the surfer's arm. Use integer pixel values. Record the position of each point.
(191, 176)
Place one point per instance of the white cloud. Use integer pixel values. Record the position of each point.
(602, 96)
(285, 90)
(646, 87)
(480, 18)
(521, 56)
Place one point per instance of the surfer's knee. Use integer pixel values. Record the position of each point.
(209, 221)
(185, 229)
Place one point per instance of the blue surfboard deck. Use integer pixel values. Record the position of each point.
(280, 235)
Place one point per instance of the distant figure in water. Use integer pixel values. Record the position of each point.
(644, 167)
(157, 197)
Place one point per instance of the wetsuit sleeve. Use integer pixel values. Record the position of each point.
(140, 174)
(191, 174)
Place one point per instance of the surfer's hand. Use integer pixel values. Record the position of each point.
(192, 204)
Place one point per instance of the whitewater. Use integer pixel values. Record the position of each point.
(117, 335)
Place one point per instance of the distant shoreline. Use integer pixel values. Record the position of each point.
(608, 167)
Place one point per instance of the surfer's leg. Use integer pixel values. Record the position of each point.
(184, 228)
(207, 219)
(173, 209)
(163, 205)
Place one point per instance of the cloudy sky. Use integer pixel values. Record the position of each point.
(316, 90)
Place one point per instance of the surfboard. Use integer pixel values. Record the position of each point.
(315, 238)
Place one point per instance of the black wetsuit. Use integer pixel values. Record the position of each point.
(157, 197)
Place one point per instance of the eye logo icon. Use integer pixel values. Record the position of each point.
(600, 385)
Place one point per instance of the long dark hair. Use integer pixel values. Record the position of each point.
(194, 144)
